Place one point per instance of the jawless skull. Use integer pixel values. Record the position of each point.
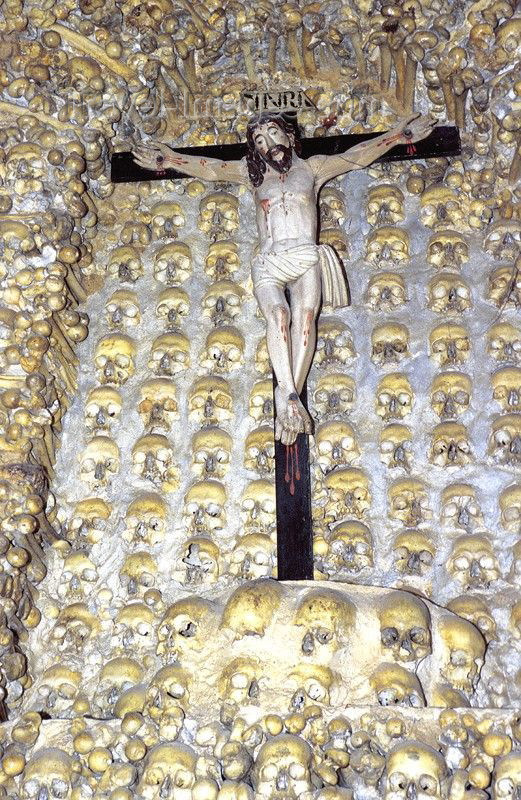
(172, 307)
(387, 247)
(394, 396)
(405, 627)
(102, 408)
(390, 343)
(334, 342)
(334, 395)
(506, 384)
(473, 562)
(504, 343)
(396, 686)
(259, 451)
(448, 294)
(224, 350)
(396, 446)
(282, 769)
(173, 264)
(505, 439)
(413, 552)
(450, 344)
(204, 507)
(158, 408)
(415, 770)
(447, 250)
(510, 505)
(450, 394)
(211, 449)
(386, 291)
(146, 520)
(170, 354)
(210, 401)
(385, 205)
(462, 653)
(122, 309)
(450, 445)
(327, 620)
(336, 445)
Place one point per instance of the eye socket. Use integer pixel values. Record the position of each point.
(397, 781)
(418, 635)
(428, 784)
(461, 562)
(297, 771)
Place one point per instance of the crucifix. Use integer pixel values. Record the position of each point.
(292, 274)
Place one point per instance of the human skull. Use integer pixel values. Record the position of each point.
(15, 239)
(172, 307)
(328, 620)
(146, 520)
(258, 506)
(204, 507)
(450, 445)
(390, 343)
(167, 766)
(77, 576)
(507, 776)
(503, 240)
(262, 357)
(387, 246)
(250, 609)
(505, 439)
(222, 261)
(167, 698)
(153, 460)
(450, 344)
(336, 445)
(138, 573)
(334, 395)
(460, 508)
(125, 264)
(405, 627)
(394, 396)
(347, 494)
(310, 684)
(173, 264)
(334, 342)
(222, 302)
(158, 407)
(48, 773)
(58, 687)
(134, 629)
(99, 462)
(253, 557)
(166, 219)
(337, 239)
(395, 447)
(114, 359)
(385, 205)
(24, 167)
(90, 520)
(115, 677)
(210, 401)
(259, 451)
(449, 294)
(504, 342)
(239, 681)
(415, 770)
(450, 394)
(102, 409)
(74, 628)
(123, 309)
(441, 206)
(413, 552)
(199, 562)
(475, 610)
(473, 562)
(396, 686)
(170, 354)
(211, 448)
(506, 383)
(409, 502)
(510, 505)
(224, 350)
(349, 549)
(282, 769)
(505, 287)
(218, 215)
(332, 207)
(261, 401)
(186, 628)
(386, 291)
(447, 250)
(462, 652)
(135, 232)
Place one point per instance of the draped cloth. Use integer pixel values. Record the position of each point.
(284, 267)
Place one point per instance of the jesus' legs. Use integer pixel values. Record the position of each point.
(305, 295)
(291, 416)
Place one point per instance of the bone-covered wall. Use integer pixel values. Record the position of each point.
(146, 651)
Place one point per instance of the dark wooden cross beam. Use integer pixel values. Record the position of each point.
(292, 473)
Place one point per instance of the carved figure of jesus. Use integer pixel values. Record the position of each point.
(285, 188)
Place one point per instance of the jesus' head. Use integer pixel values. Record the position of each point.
(271, 139)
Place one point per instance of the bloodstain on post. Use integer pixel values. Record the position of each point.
(292, 473)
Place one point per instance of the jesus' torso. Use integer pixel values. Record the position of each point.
(286, 205)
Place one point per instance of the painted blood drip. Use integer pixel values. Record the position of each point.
(411, 149)
(293, 475)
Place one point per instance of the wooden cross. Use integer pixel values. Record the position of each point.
(292, 472)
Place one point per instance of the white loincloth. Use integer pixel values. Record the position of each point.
(279, 269)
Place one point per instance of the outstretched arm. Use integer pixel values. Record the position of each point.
(361, 155)
(158, 156)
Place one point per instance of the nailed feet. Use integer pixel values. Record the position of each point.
(291, 417)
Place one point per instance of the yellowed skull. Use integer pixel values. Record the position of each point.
(334, 342)
(462, 652)
(210, 401)
(222, 261)
(385, 205)
(413, 552)
(146, 520)
(153, 461)
(396, 686)
(394, 396)
(450, 394)
(396, 446)
(460, 508)
(259, 451)
(114, 359)
(261, 401)
(253, 557)
(204, 507)
(173, 263)
(336, 445)
(449, 294)
(505, 439)
(166, 220)
(387, 246)
(415, 770)
(334, 394)
(222, 302)
(450, 445)
(224, 350)
(125, 264)
(409, 502)
(450, 344)
(102, 408)
(386, 291)
(172, 307)
(170, 354)
(504, 342)
(473, 562)
(218, 215)
(123, 309)
(447, 250)
(158, 407)
(405, 627)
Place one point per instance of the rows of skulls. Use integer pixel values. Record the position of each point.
(164, 483)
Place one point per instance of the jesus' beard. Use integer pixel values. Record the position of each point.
(282, 164)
